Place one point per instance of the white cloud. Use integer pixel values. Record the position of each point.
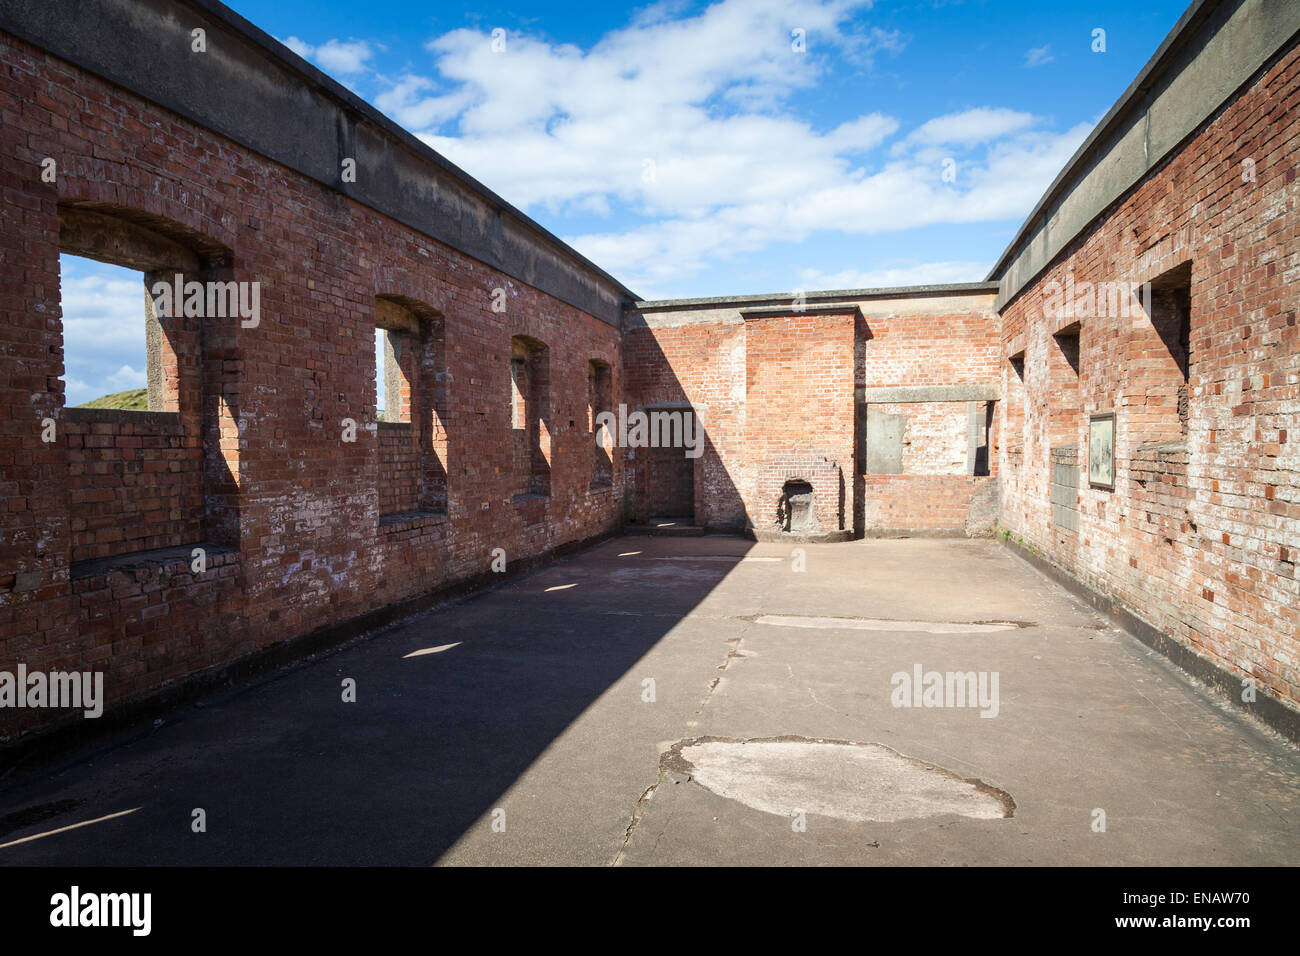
(103, 329)
(681, 121)
(903, 194)
(340, 57)
(968, 128)
(304, 50)
(1038, 56)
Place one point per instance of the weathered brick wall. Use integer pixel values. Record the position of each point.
(935, 437)
(799, 415)
(778, 387)
(929, 341)
(399, 463)
(935, 340)
(929, 503)
(135, 482)
(694, 358)
(1200, 535)
(289, 511)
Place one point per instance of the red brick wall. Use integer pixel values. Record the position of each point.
(781, 387)
(399, 464)
(936, 438)
(926, 503)
(799, 415)
(1200, 536)
(944, 341)
(290, 512)
(696, 359)
(135, 481)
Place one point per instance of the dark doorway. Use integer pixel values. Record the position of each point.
(672, 483)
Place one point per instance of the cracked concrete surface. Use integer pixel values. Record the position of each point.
(542, 732)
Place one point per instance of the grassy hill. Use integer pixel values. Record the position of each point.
(136, 399)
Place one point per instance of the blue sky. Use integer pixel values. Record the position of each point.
(690, 150)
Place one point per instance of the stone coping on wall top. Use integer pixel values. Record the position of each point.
(793, 311)
(885, 292)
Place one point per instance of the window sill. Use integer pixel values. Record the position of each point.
(216, 556)
(409, 520)
(132, 416)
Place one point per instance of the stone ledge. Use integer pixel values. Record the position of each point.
(406, 520)
(148, 560)
(114, 416)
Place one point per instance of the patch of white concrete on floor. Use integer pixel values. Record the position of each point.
(846, 781)
(875, 624)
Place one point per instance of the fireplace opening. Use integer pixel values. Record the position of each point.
(795, 514)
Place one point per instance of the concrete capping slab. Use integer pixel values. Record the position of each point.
(793, 312)
(251, 89)
(1216, 48)
(927, 393)
(1269, 710)
(136, 716)
(780, 299)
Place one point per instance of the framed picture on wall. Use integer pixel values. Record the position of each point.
(1101, 451)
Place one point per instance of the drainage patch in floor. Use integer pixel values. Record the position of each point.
(881, 624)
(846, 780)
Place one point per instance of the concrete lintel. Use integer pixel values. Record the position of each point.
(791, 311)
(929, 393)
(773, 298)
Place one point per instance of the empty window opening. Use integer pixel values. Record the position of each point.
(1160, 360)
(411, 387)
(114, 353)
(599, 401)
(396, 334)
(1014, 416)
(145, 412)
(1065, 409)
(530, 416)
(1018, 366)
(981, 420)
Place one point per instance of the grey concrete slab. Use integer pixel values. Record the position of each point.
(531, 738)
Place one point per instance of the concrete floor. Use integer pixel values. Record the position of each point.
(535, 720)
